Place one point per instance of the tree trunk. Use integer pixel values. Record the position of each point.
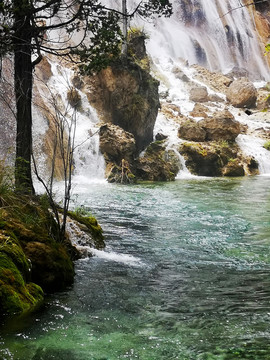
(23, 77)
(125, 26)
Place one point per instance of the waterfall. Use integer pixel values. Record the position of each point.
(217, 34)
(89, 164)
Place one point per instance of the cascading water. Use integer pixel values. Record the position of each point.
(217, 34)
(88, 162)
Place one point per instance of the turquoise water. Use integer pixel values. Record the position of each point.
(185, 275)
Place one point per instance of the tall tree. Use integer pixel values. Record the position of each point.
(82, 30)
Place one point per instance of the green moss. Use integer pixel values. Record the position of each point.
(92, 225)
(16, 296)
(29, 231)
(11, 247)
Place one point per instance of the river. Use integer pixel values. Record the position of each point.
(185, 275)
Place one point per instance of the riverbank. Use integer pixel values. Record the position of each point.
(33, 260)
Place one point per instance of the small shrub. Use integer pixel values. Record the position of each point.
(137, 32)
(267, 145)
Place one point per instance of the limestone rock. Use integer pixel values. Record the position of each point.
(237, 72)
(120, 173)
(170, 110)
(199, 110)
(192, 131)
(198, 94)
(43, 71)
(158, 164)
(221, 126)
(242, 93)
(126, 95)
(208, 159)
(116, 144)
(233, 169)
(214, 80)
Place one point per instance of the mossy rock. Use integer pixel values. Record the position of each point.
(27, 224)
(11, 247)
(89, 225)
(16, 295)
(52, 267)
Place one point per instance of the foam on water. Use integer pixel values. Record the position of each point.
(125, 259)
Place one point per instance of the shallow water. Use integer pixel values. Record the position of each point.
(185, 275)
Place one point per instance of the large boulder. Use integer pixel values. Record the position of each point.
(216, 81)
(222, 126)
(118, 147)
(207, 159)
(127, 95)
(192, 131)
(242, 93)
(52, 267)
(157, 163)
(116, 144)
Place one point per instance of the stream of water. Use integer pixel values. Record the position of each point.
(185, 275)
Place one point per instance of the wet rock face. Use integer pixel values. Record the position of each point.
(127, 96)
(242, 93)
(118, 147)
(217, 158)
(221, 126)
(116, 144)
(233, 169)
(201, 159)
(192, 131)
(158, 164)
(192, 13)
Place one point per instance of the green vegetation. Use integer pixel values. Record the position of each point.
(135, 32)
(267, 145)
(31, 257)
